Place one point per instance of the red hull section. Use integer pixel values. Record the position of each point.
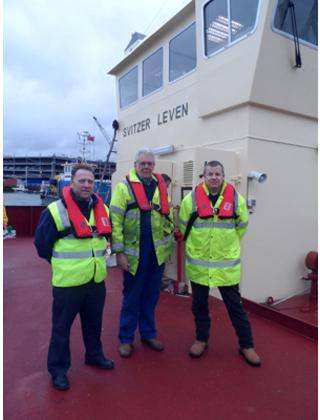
(150, 385)
(24, 219)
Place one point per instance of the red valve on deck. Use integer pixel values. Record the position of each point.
(311, 262)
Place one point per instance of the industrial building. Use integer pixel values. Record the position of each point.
(35, 169)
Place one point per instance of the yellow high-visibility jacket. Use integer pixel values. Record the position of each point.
(76, 261)
(213, 244)
(126, 225)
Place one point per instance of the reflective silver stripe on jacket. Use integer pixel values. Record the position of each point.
(182, 222)
(242, 225)
(100, 253)
(212, 264)
(117, 210)
(78, 254)
(70, 236)
(63, 214)
(219, 225)
(118, 246)
(163, 241)
(131, 215)
(133, 252)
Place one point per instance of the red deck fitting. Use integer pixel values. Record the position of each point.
(150, 385)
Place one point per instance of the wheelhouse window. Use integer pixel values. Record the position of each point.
(226, 21)
(128, 87)
(306, 12)
(152, 68)
(243, 17)
(182, 53)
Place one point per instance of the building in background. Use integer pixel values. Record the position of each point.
(33, 170)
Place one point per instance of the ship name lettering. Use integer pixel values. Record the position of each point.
(172, 114)
(136, 127)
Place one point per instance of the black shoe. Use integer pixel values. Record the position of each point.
(101, 363)
(60, 382)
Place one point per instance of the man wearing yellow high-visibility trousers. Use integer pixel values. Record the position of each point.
(142, 238)
(72, 236)
(213, 219)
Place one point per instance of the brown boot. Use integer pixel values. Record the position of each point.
(197, 349)
(153, 343)
(251, 356)
(125, 349)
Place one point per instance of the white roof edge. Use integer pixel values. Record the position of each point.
(150, 38)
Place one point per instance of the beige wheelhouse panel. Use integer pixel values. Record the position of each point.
(249, 107)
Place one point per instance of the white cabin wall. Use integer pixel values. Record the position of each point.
(277, 83)
(283, 228)
(150, 106)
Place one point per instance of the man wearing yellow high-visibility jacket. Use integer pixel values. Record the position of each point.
(72, 236)
(142, 239)
(213, 219)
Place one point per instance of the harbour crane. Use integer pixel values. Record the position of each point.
(103, 131)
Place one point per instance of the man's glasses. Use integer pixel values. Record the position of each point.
(145, 163)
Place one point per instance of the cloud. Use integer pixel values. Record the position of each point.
(56, 57)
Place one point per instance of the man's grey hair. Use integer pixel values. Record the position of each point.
(145, 151)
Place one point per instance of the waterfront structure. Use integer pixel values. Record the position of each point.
(35, 169)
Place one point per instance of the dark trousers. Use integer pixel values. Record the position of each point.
(232, 299)
(88, 301)
(140, 296)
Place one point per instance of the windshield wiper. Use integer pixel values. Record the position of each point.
(295, 34)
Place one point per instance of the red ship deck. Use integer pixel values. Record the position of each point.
(167, 385)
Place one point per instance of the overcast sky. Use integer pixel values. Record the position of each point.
(56, 58)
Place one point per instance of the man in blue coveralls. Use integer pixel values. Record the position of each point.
(142, 241)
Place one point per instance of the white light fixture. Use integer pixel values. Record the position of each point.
(163, 150)
(257, 176)
(254, 176)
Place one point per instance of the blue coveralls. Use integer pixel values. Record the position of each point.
(141, 291)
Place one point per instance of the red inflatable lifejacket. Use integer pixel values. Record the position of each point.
(204, 207)
(81, 227)
(142, 199)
